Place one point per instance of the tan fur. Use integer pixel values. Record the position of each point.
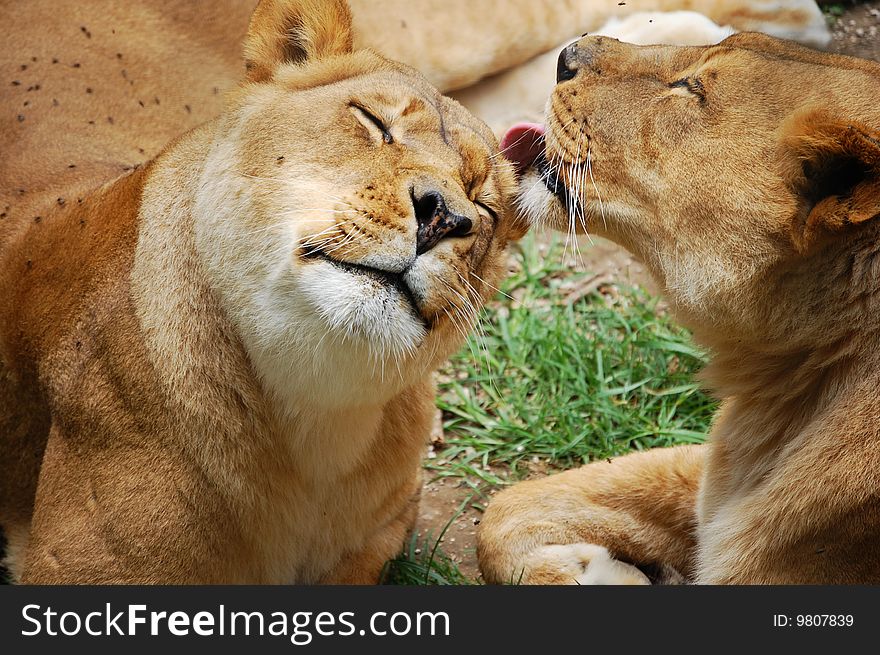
(747, 177)
(189, 391)
(269, 38)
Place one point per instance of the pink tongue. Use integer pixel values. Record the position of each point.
(522, 144)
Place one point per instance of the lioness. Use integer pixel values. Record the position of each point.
(747, 177)
(217, 368)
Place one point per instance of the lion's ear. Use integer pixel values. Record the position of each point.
(295, 31)
(834, 167)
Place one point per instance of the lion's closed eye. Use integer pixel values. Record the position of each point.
(483, 208)
(375, 125)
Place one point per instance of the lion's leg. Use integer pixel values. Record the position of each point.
(24, 428)
(17, 538)
(583, 526)
(365, 565)
(126, 515)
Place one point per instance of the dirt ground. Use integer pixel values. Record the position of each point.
(856, 33)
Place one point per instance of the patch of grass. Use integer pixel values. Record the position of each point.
(567, 376)
(833, 12)
(424, 562)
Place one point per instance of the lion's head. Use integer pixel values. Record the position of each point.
(354, 219)
(734, 171)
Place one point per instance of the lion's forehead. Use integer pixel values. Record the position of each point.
(406, 101)
(460, 125)
(413, 96)
(432, 131)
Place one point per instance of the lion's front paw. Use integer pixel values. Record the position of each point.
(583, 564)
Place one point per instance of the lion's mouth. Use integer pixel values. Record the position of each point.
(524, 145)
(551, 179)
(387, 279)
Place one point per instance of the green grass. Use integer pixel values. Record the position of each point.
(834, 9)
(567, 382)
(833, 12)
(558, 378)
(423, 562)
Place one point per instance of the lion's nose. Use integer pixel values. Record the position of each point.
(590, 55)
(436, 222)
(566, 67)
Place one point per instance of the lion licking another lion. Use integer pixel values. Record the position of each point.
(217, 367)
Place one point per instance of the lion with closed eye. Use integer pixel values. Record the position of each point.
(747, 177)
(217, 368)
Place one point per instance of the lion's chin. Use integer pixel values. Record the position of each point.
(541, 206)
(365, 311)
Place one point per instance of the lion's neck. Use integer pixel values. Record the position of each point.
(777, 402)
(814, 327)
(328, 444)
